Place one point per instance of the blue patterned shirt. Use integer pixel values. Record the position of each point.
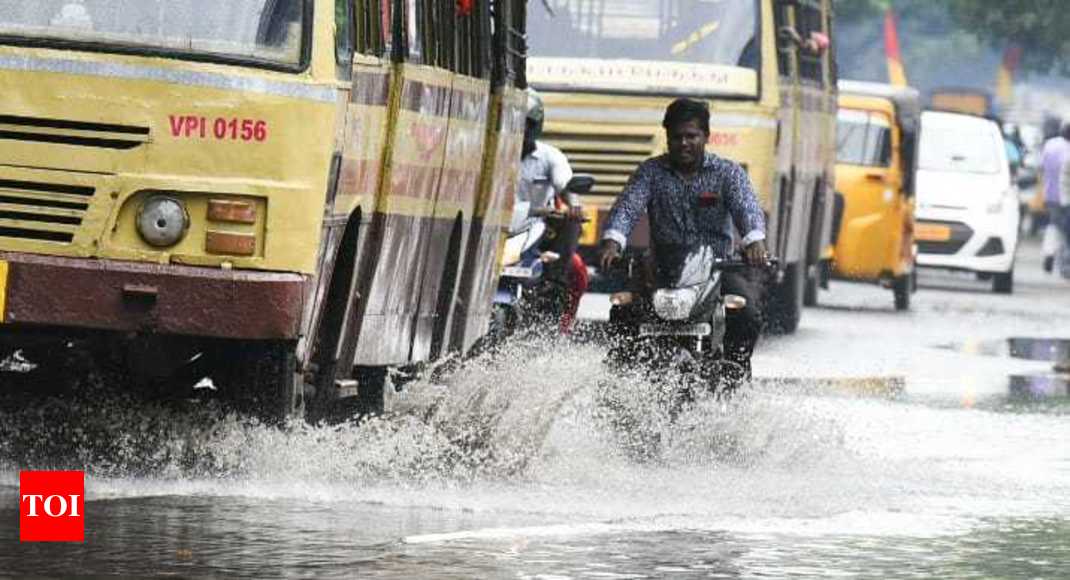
(699, 210)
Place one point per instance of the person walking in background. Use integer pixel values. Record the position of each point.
(1060, 220)
(1053, 157)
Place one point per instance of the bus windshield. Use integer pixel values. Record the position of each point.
(255, 30)
(643, 46)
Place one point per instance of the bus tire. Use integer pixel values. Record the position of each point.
(371, 392)
(813, 284)
(786, 302)
(264, 382)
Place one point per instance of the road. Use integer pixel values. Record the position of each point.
(873, 444)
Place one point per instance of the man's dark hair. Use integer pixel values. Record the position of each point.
(1065, 131)
(683, 110)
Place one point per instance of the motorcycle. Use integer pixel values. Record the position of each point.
(668, 326)
(529, 293)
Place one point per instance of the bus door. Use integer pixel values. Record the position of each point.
(787, 131)
(349, 245)
(457, 195)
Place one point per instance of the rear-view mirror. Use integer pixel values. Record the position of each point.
(580, 183)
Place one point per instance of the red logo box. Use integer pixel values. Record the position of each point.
(52, 506)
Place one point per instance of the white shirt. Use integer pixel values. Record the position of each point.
(543, 176)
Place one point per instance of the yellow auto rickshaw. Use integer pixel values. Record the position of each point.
(876, 159)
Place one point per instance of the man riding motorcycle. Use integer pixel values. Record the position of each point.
(541, 194)
(694, 197)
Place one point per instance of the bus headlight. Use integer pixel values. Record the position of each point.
(162, 221)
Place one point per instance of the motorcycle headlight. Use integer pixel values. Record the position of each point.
(674, 304)
(162, 221)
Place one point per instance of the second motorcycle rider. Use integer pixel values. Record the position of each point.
(542, 193)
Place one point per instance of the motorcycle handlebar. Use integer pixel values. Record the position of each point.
(770, 263)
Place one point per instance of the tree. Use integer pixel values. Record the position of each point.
(1039, 27)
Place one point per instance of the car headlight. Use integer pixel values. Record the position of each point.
(162, 221)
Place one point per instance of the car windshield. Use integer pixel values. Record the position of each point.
(963, 150)
(863, 139)
(700, 46)
(256, 30)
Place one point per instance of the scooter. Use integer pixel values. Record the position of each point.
(527, 298)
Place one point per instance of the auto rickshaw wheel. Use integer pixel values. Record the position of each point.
(902, 287)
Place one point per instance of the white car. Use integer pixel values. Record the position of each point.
(967, 208)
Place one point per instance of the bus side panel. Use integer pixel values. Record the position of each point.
(404, 215)
(785, 188)
(808, 166)
(360, 170)
(501, 164)
(458, 195)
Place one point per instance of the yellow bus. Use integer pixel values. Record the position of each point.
(607, 70)
(286, 196)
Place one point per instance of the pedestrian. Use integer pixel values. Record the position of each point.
(1060, 219)
(1053, 157)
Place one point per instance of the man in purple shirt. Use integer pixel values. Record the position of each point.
(695, 198)
(1056, 152)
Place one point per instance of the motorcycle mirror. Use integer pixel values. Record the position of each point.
(580, 183)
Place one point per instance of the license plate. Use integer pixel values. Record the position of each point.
(3, 289)
(703, 329)
(518, 272)
(932, 233)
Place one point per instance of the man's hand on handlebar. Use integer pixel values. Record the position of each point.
(608, 253)
(756, 254)
(575, 212)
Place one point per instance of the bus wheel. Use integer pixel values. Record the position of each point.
(813, 283)
(371, 387)
(786, 302)
(263, 381)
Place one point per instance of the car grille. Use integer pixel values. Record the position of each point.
(960, 234)
(611, 159)
(42, 211)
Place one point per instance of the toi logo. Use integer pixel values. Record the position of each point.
(51, 506)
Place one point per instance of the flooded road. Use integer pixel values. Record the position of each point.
(874, 444)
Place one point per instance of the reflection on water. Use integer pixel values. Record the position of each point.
(1040, 386)
(1040, 349)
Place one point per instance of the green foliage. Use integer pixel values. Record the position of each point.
(1040, 27)
(859, 9)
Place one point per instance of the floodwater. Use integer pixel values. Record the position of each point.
(915, 455)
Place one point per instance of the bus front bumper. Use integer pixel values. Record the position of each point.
(78, 293)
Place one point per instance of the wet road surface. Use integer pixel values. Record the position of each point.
(873, 444)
